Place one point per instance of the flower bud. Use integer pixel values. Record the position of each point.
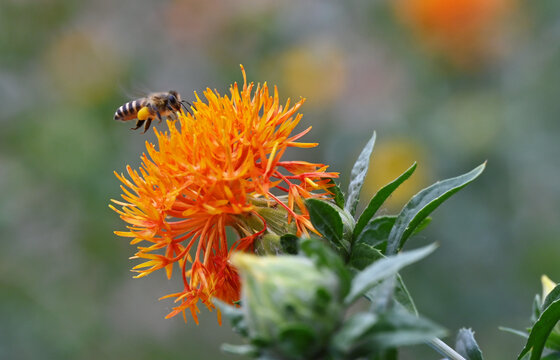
(291, 306)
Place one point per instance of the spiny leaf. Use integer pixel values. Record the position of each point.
(338, 195)
(382, 269)
(422, 204)
(358, 176)
(327, 221)
(377, 230)
(541, 330)
(379, 198)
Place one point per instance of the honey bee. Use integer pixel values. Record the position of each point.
(154, 105)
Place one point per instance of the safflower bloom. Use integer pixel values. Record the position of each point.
(221, 169)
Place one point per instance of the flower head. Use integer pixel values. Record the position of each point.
(220, 169)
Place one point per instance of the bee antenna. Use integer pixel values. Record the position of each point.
(184, 104)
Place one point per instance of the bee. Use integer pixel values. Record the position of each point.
(154, 105)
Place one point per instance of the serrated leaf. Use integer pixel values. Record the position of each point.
(382, 269)
(323, 256)
(327, 221)
(540, 331)
(338, 195)
(422, 204)
(466, 345)
(358, 176)
(379, 198)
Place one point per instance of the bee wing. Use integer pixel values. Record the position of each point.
(134, 91)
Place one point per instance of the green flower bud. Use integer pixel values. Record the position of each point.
(291, 306)
(268, 244)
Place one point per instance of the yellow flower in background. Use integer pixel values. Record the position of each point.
(218, 170)
(81, 67)
(547, 286)
(390, 159)
(466, 32)
(317, 70)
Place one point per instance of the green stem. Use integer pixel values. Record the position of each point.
(444, 349)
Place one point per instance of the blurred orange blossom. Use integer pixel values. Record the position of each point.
(466, 31)
(217, 171)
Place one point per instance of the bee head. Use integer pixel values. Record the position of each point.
(174, 100)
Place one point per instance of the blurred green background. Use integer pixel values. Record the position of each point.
(446, 83)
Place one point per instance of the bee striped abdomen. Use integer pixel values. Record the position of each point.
(129, 110)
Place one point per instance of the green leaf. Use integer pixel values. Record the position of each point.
(352, 332)
(324, 257)
(381, 295)
(235, 316)
(422, 204)
(377, 230)
(540, 331)
(466, 345)
(338, 195)
(364, 255)
(379, 198)
(289, 243)
(423, 224)
(244, 350)
(327, 221)
(297, 340)
(382, 269)
(537, 308)
(402, 296)
(358, 176)
(399, 328)
(553, 341)
(523, 334)
(551, 297)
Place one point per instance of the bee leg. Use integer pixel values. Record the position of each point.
(154, 110)
(139, 124)
(148, 123)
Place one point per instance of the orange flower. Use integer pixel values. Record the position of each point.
(466, 31)
(217, 171)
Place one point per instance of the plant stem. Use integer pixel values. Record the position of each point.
(444, 349)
